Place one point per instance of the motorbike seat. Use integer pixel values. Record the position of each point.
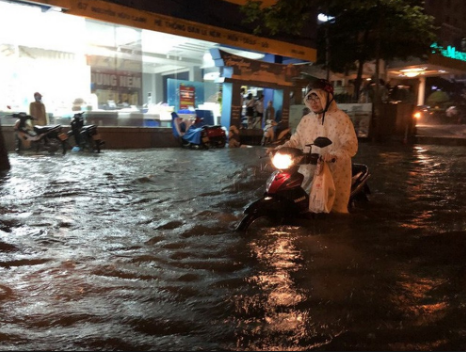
(44, 129)
(88, 127)
(28, 131)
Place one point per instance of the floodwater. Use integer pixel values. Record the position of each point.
(136, 250)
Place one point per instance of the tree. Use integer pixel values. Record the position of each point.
(360, 31)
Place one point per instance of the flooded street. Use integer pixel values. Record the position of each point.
(137, 250)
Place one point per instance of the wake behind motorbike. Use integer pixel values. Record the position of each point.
(86, 137)
(284, 198)
(49, 138)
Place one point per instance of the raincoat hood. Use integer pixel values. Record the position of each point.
(326, 99)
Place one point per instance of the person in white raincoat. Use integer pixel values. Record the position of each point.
(327, 120)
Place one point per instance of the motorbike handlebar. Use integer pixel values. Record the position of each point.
(313, 158)
(22, 115)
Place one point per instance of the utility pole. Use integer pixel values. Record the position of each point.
(327, 52)
(324, 19)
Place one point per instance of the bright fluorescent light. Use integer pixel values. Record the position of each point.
(253, 55)
(413, 72)
(324, 18)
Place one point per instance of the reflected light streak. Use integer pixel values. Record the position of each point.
(278, 259)
(415, 292)
(423, 159)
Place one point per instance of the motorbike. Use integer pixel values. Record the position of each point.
(275, 134)
(86, 137)
(197, 134)
(284, 198)
(37, 138)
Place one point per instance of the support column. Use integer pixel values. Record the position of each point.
(157, 96)
(421, 91)
(231, 104)
(195, 74)
(231, 112)
(286, 108)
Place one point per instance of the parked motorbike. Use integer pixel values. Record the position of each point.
(275, 134)
(284, 198)
(37, 138)
(435, 115)
(86, 137)
(197, 134)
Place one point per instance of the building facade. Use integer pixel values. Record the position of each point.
(133, 62)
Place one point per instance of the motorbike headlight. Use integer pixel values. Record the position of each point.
(282, 161)
(417, 115)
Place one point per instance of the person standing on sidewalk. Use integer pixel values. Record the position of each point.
(241, 104)
(37, 110)
(259, 108)
(249, 102)
(270, 111)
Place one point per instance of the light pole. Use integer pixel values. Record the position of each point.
(322, 18)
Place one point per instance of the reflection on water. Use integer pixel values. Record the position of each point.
(136, 250)
(277, 298)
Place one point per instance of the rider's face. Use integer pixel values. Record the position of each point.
(314, 101)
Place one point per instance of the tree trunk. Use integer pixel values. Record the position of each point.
(362, 59)
(377, 103)
(358, 81)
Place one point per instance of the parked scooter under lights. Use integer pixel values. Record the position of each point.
(196, 134)
(275, 134)
(48, 138)
(86, 137)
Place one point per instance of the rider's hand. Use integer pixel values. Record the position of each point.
(330, 158)
(272, 151)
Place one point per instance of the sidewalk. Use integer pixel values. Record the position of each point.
(441, 134)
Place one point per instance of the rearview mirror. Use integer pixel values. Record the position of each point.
(322, 142)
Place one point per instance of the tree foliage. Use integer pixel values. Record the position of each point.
(286, 16)
(360, 31)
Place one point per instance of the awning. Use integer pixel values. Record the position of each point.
(435, 65)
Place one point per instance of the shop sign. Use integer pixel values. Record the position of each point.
(449, 52)
(187, 97)
(121, 87)
(244, 69)
(114, 13)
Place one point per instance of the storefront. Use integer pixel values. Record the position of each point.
(124, 66)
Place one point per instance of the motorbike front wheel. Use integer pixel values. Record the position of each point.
(221, 144)
(64, 147)
(98, 145)
(246, 221)
(91, 145)
(52, 145)
(18, 145)
(261, 219)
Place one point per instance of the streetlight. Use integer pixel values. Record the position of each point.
(324, 19)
